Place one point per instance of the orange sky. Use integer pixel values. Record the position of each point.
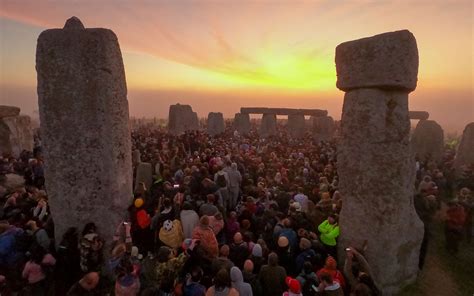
(221, 55)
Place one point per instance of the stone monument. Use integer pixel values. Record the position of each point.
(268, 126)
(242, 123)
(428, 140)
(215, 123)
(83, 106)
(296, 125)
(375, 165)
(324, 128)
(16, 133)
(465, 151)
(181, 119)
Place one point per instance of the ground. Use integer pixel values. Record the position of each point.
(445, 274)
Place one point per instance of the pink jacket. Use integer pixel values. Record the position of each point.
(33, 271)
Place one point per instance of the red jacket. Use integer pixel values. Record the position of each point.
(456, 217)
(143, 219)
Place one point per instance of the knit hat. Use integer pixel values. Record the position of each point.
(257, 250)
(138, 202)
(293, 284)
(283, 242)
(330, 263)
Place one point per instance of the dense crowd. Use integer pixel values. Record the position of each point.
(227, 215)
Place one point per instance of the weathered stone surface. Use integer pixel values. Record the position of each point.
(8, 111)
(283, 111)
(465, 151)
(16, 135)
(268, 126)
(419, 115)
(215, 123)
(144, 174)
(296, 125)
(386, 61)
(182, 118)
(324, 128)
(83, 108)
(242, 123)
(428, 140)
(376, 172)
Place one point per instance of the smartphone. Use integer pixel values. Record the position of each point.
(348, 249)
(176, 186)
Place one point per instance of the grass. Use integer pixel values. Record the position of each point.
(459, 268)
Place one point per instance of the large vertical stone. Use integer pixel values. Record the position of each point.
(242, 123)
(144, 174)
(181, 119)
(83, 106)
(375, 165)
(268, 125)
(215, 123)
(296, 125)
(428, 140)
(16, 135)
(465, 151)
(324, 128)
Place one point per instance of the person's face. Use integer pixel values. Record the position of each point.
(331, 220)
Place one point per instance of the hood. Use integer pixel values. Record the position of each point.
(257, 250)
(223, 292)
(236, 275)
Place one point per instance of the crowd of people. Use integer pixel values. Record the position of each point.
(226, 215)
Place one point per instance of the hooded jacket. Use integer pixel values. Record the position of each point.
(238, 283)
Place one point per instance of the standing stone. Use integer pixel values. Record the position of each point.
(465, 152)
(16, 135)
(136, 157)
(181, 119)
(8, 111)
(375, 166)
(83, 106)
(242, 123)
(268, 126)
(296, 125)
(215, 123)
(428, 140)
(324, 128)
(144, 174)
